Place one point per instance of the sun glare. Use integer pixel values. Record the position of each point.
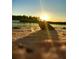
(44, 17)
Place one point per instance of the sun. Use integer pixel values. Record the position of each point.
(44, 17)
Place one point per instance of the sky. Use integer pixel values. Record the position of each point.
(55, 9)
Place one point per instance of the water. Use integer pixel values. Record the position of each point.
(33, 25)
(58, 25)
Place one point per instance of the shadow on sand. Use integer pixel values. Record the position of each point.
(42, 44)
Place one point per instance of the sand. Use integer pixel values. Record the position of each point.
(39, 44)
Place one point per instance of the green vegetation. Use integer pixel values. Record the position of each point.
(31, 19)
(26, 19)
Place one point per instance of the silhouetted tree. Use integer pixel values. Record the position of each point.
(25, 19)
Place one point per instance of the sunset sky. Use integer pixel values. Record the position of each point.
(55, 9)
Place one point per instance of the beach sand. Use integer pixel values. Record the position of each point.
(41, 44)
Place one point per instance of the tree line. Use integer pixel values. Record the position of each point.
(32, 19)
(25, 19)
